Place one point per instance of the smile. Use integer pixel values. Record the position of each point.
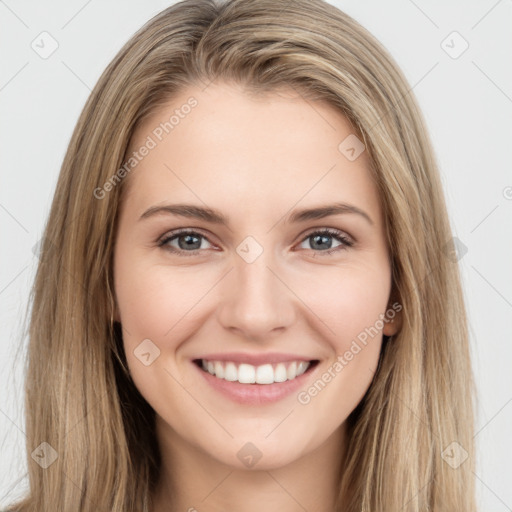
(255, 379)
(249, 374)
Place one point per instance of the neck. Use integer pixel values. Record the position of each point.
(191, 480)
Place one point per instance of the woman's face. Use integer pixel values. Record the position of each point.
(254, 288)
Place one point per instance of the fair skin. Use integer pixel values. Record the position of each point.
(256, 161)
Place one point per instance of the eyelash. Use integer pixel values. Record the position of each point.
(345, 241)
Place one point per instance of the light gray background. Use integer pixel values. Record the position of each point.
(467, 103)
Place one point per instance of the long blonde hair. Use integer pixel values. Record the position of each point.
(79, 397)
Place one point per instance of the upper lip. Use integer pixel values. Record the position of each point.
(255, 359)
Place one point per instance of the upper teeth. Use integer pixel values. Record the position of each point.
(249, 374)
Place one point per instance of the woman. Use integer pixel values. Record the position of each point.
(261, 369)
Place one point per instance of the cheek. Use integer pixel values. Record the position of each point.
(158, 308)
(344, 304)
(348, 300)
(153, 299)
(350, 306)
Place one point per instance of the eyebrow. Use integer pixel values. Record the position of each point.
(216, 217)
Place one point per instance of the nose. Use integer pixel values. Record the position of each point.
(256, 302)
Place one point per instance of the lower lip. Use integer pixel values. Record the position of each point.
(256, 394)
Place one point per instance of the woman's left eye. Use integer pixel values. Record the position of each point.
(189, 242)
(322, 237)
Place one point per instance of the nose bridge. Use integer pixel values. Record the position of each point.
(255, 300)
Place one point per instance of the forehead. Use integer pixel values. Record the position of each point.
(222, 145)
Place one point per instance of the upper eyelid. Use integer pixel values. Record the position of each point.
(179, 231)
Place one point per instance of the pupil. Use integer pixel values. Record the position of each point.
(188, 238)
(324, 241)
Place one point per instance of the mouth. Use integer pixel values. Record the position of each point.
(264, 374)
